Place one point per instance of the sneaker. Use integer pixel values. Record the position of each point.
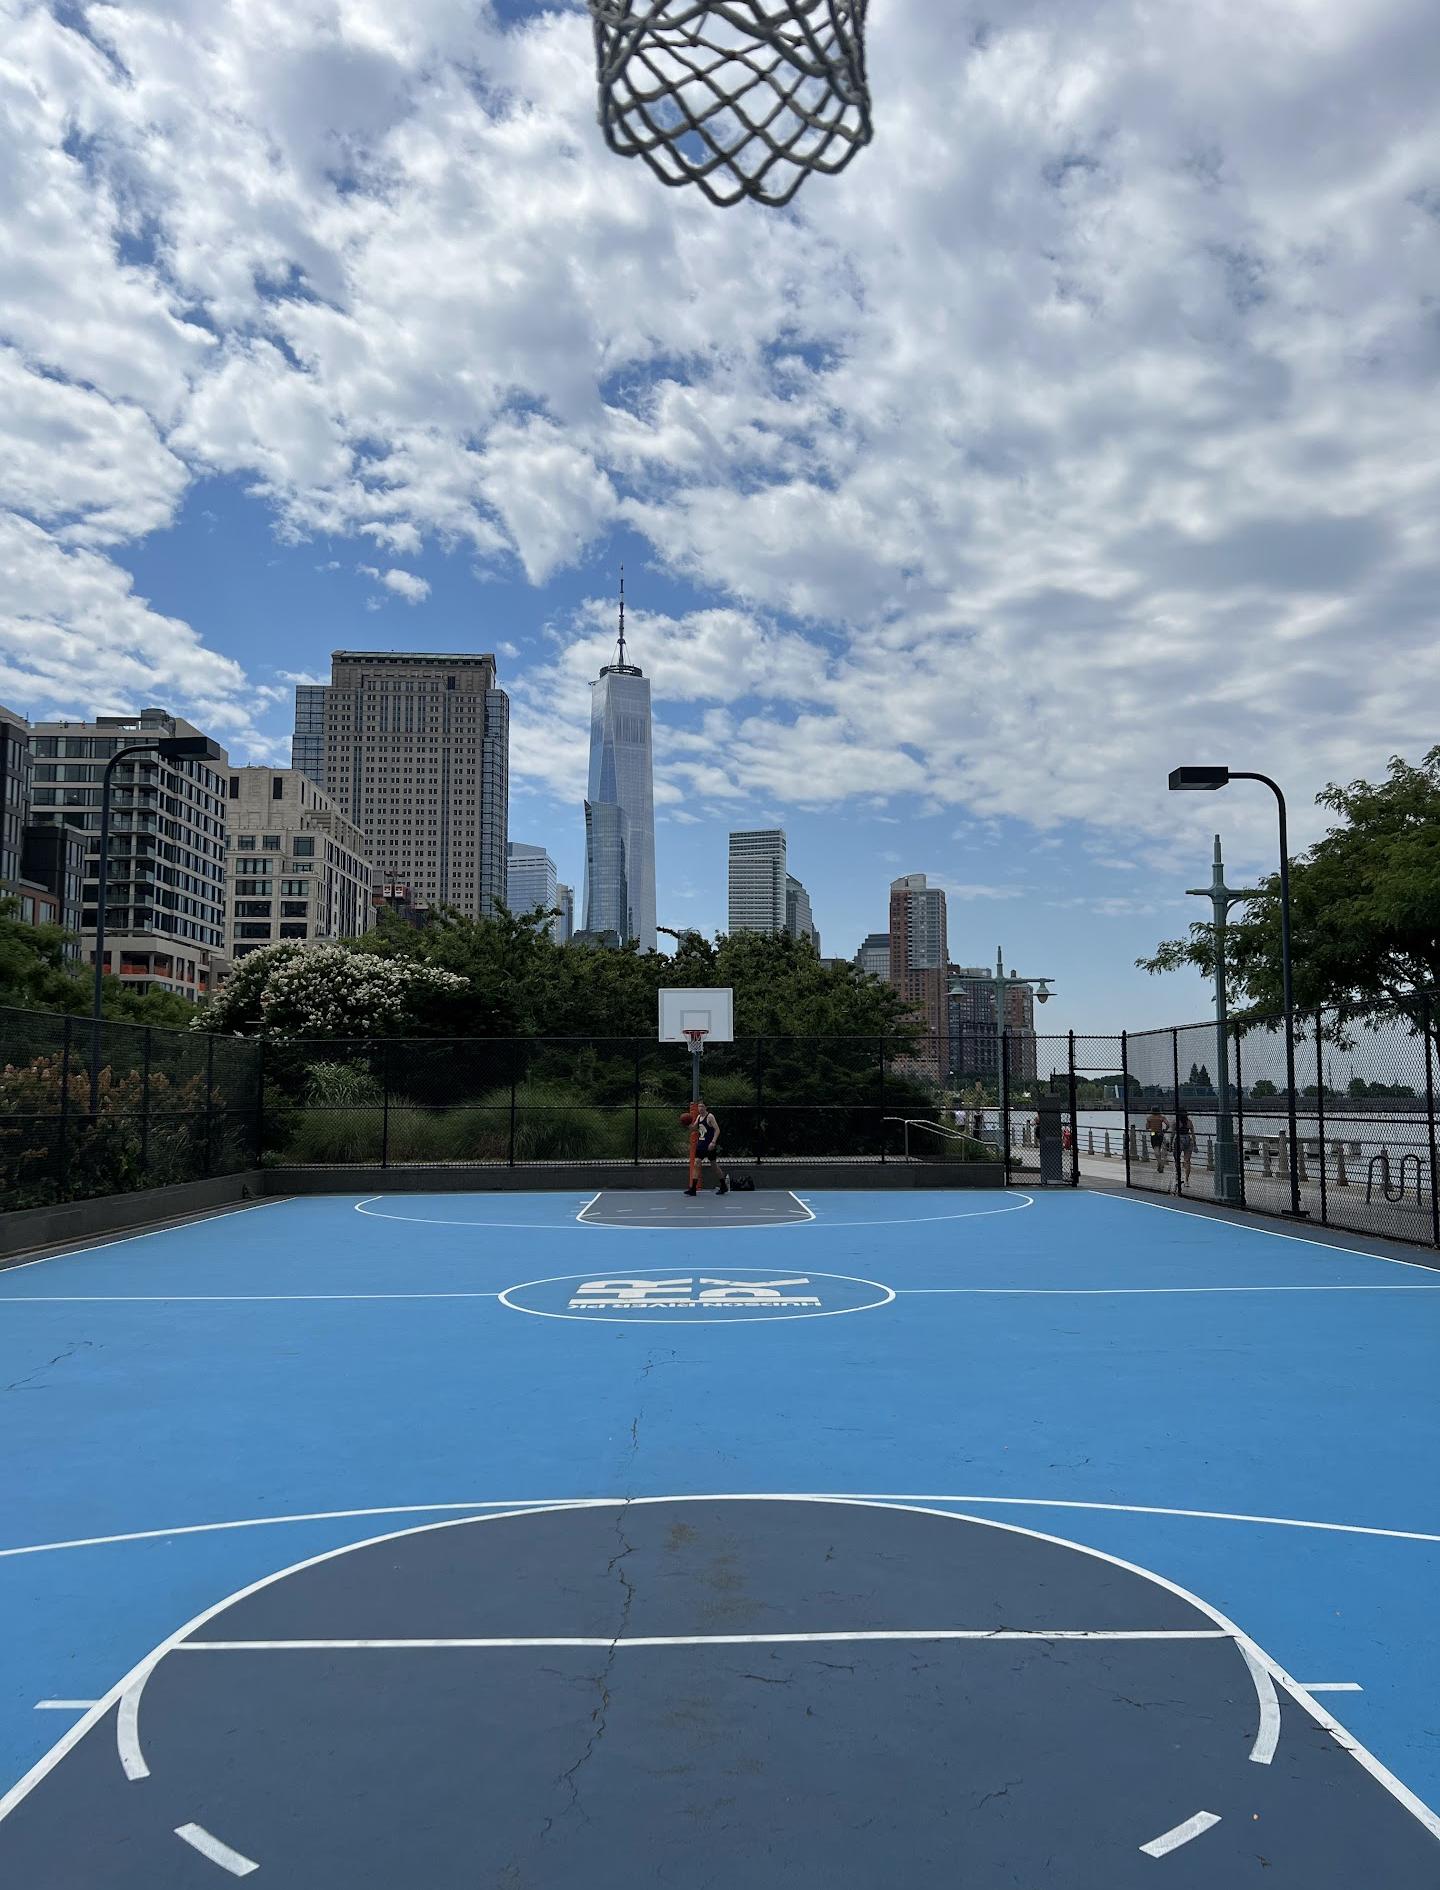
(692, 1190)
(724, 1187)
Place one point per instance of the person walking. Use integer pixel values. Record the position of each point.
(1156, 1124)
(707, 1147)
(1184, 1139)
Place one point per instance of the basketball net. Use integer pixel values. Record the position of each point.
(744, 98)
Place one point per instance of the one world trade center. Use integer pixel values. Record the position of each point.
(620, 805)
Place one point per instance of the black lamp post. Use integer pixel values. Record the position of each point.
(1205, 779)
(168, 748)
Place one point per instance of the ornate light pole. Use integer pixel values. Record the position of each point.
(1222, 897)
(1205, 779)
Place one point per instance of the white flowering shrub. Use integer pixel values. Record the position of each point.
(290, 990)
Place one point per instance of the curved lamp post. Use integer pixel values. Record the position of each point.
(1191, 780)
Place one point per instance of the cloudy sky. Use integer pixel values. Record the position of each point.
(1085, 425)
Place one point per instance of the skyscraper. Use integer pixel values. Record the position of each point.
(874, 954)
(757, 881)
(799, 919)
(533, 882)
(620, 803)
(415, 749)
(565, 924)
(919, 960)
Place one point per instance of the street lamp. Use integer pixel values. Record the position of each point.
(1183, 780)
(1002, 981)
(168, 748)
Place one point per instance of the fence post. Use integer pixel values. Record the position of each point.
(259, 1098)
(145, 1103)
(1125, 1096)
(1320, 1105)
(209, 1099)
(1175, 1138)
(1003, 1060)
(1240, 1117)
(1427, 1018)
(759, 1102)
(514, 1058)
(385, 1103)
(636, 1161)
(62, 1166)
(1074, 1117)
(884, 1137)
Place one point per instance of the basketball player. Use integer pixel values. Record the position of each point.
(706, 1131)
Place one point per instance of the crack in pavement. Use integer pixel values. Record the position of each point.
(1003, 1792)
(19, 1384)
(600, 1712)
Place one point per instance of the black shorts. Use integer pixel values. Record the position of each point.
(710, 1152)
(1157, 1139)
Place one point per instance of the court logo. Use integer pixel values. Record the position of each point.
(687, 1294)
(740, 1296)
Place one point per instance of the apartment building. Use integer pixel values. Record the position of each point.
(298, 868)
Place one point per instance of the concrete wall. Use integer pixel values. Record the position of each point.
(27, 1230)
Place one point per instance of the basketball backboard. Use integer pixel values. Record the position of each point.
(711, 1011)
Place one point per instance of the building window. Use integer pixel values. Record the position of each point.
(246, 843)
(252, 931)
(292, 931)
(304, 847)
(277, 788)
(293, 909)
(234, 787)
(252, 908)
(270, 842)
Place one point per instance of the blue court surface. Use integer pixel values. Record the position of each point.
(840, 1541)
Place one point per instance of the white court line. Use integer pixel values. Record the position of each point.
(1022, 1201)
(638, 1315)
(127, 1729)
(63, 1706)
(714, 1640)
(706, 1226)
(208, 1846)
(1248, 1227)
(1319, 1714)
(149, 1233)
(522, 1503)
(1332, 1686)
(1182, 1834)
(1102, 1292)
(1267, 1736)
(1154, 1509)
(974, 1292)
(217, 1299)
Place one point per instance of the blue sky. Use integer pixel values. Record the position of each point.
(1084, 425)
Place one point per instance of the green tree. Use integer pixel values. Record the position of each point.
(1365, 910)
(1264, 1088)
(36, 974)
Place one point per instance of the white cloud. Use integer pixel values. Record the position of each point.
(405, 584)
(1081, 426)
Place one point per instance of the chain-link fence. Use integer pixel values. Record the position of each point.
(523, 1101)
(88, 1110)
(1353, 1146)
(91, 1109)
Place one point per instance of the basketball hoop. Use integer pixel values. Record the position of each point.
(696, 1040)
(743, 97)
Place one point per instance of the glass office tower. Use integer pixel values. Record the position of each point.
(620, 852)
